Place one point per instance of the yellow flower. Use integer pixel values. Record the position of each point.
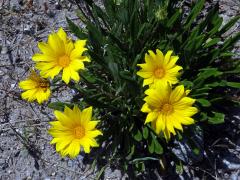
(168, 109)
(159, 68)
(36, 88)
(61, 54)
(72, 130)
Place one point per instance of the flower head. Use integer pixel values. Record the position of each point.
(61, 54)
(36, 88)
(72, 130)
(168, 109)
(159, 68)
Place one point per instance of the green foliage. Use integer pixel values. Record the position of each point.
(119, 34)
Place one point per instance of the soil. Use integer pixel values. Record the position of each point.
(22, 24)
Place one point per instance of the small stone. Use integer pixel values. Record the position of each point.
(226, 176)
(58, 6)
(4, 50)
(1, 73)
(9, 171)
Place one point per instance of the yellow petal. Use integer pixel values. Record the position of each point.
(66, 75)
(151, 117)
(63, 143)
(74, 149)
(167, 134)
(91, 125)
(77, 64)
(94, 133)
(27, 84)
(167, 57)
(86, 146)
(145, 108)
(147, 81)
(56, 44)
(160, 123)
(186, 121)
(69, 47)
(183, 103)
(177, 94)
(172, 62)
(145, 74)
(46, 49)
(174, 70)
(75, 76)
(170, 125)
(86, 115)
(62, 34)
(43, 57)
(77, 111)
(176, 122)
(160, 55)
(63, 118)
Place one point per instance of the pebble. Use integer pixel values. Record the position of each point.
(4, 50)
(1, 73)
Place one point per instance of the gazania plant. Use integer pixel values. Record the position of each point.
(150, 77)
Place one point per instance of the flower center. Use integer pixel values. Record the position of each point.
(167, 108)
(159, 72)
(43, 84)
(79, 132)
(64, 61)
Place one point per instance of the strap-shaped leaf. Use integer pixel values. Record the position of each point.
(211, 42)
(76, 30)
(229, 24)
(194, 13)
(173, 19)
(217, 118)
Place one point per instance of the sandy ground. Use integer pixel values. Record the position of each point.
(22, 24)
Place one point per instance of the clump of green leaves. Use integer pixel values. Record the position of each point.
(119, 33)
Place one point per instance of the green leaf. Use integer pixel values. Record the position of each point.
(144, 159)
(194, 13)
(138, 136)
(76, 30)
(151, 145)
(228, 54)
(204, 102)
(88, 77)
(227, 26)
(179, 168)
(58, 105)
(218, 118)
(217, 24)
(114, 70)
(95, 35)
(173, 19)
(131, 153)
(211, 42)
(145, 132)
(157, 147)
(230, 41)
(233, 84)
(196, 151)
(126, 75)
(208, 72)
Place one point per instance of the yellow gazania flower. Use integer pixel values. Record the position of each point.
(72, 130)
(61, 54)
(36, 88)
(159, 68)
(168, 109)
